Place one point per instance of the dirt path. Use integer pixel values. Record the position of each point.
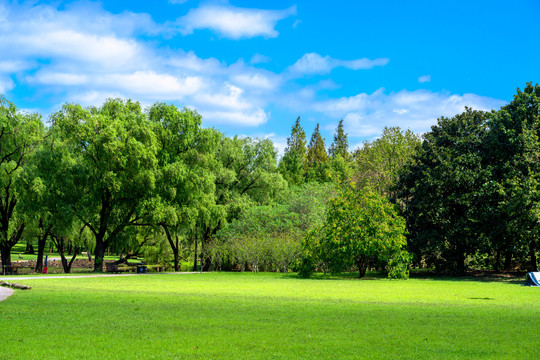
(5, 293)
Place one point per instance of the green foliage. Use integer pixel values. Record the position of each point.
(186, 177)
(340, 145)
(514, 152)
(269, 237)
(20, 134)
(293, 164)
(245, 175)
(361, 227)
(379, 163)
(115, 168)
(442, 188)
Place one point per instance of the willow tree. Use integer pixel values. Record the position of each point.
(113, 173)
(186, 181)
(20, 133)
(245, 175)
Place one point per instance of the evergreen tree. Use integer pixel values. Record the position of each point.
(316, 149)
(340, 145)
(297, 141)
(317, 169)
(293, 165)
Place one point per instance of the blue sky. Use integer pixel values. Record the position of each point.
(251, 67)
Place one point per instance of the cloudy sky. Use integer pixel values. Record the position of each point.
(251, 67)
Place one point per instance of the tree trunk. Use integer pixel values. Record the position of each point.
(6, 256)
(99, 254)
(7, 243)
(497, 265)
(41, 249)
(29, 248)
(89, 251)
(42, 240)
(361, 264)
(174, 247)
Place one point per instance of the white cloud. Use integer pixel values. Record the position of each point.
(313, 63)
(367, 114)
(6, 85)
(234, 22)
(152, 84)
(58, 78)
(424, 79)
(259, 59)
(256, 80)
(253, 118)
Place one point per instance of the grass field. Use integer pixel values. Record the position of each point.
(269, 316)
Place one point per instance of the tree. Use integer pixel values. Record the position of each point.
(379, 163)
(245, 175)
(316, 158)
(361, 227)
(442, 187)
(20, 134)
(514, 143)
(185, 183)
(340, 145)
(113, 173)
(293, 164)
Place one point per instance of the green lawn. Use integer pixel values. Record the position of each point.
(269, 316)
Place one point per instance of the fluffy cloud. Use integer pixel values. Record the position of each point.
(313, 63)
(63, 52)
(366, 115)
(233, 22)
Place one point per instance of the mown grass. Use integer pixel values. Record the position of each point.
(269, 316)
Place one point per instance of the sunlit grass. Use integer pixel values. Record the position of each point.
(274, 316)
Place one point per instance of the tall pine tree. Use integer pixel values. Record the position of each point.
(316, 149)
(317, 158)
(340, 145)
(293, 165)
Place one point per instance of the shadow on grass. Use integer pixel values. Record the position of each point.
(516, 278)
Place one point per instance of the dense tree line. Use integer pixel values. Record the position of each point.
(155, 183)
(471, 191)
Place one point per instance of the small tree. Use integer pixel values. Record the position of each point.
(361, 227)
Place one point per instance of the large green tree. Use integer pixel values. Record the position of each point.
(20, 134)
(514, 144)
(441, 190)
(361, 227)
(186, 181)
(113, 174)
